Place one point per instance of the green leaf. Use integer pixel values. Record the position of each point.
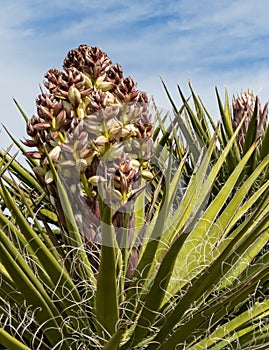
(60, 278)
(32, 162)
(10, 342)
(46, 313)
(226, 330)
(234, 156)
(21, 110)
(189, 248)
(201, 287)
(195, 253)
(115, 340)
(199, 128)
(73, 230)
(263, 151)
(21, 172)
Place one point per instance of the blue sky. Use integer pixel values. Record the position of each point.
(210, 42)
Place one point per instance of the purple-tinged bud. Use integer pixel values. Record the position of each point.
(115, 132)
(101, 140)
(33, 155)
(55, 153)
(82, 164)
(48, 177)
(60, 119)
(42, 126)
(88, 153)
(30, 143)
(43, 112)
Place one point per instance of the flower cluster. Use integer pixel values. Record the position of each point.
(244, 106)
(93, 118)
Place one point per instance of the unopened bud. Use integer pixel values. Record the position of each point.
(41, 126)
(116, 195)
(60, 119)
(115, 132)
(55, 153)
(88, 81)
(74, 96)
(30, 143)
(147, 175)
(48, 177)
(125, 132)
(33, 155)
(135, 163)
(95, 180)
(100, 140)
(38, 170)
(82, 164)
(104, 85)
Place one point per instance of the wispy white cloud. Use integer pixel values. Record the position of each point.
(223, 43)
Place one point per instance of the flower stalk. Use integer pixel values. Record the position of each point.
(96, 127)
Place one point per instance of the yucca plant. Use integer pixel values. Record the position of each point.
(130, 230)
(198, 127)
